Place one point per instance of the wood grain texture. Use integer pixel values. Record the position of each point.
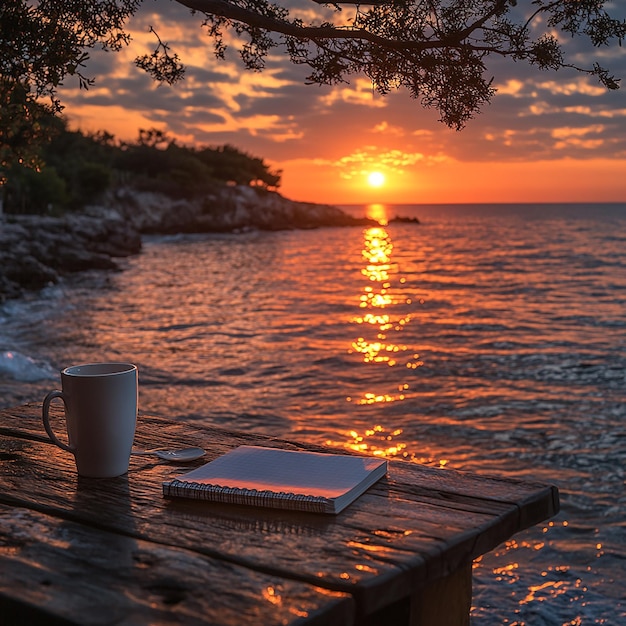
(73, 572)
(414, 527)
(444, 602)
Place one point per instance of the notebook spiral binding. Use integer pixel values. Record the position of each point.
(250, 497)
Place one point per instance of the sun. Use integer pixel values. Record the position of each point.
(376, 179)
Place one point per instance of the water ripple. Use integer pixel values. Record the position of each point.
(488, 338)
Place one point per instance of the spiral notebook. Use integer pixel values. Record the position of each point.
(284, 479)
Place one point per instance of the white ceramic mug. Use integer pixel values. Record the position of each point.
(101, 413)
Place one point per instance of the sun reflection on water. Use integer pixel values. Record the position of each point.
(377, 212)
(385, 315)
(384, 309)
(383, 442)
(272, 595)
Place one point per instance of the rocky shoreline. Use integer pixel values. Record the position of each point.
(36, 251)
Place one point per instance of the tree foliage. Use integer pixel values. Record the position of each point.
(76, 169)
(436, 49)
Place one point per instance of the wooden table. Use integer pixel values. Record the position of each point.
(114, 551)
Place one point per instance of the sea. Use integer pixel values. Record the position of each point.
(486, 338)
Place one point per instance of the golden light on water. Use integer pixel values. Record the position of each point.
(383, 315)
(546, 586)
(373, 299)
(546, 591)
(382, 321)
(378, 246)
(377, 351)
(272, 595)
(377, 441)
(380, 295)
(388, 443)
(377, 212)
(376, 273)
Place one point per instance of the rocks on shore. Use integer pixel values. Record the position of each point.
(36, 251)
(228, 209)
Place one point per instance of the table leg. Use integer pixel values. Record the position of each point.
(445, 602)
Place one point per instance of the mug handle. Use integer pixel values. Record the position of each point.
(46, 419)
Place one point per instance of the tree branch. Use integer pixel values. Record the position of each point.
(225, 9)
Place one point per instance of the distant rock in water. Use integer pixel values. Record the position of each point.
(36, 251)
(404, 220)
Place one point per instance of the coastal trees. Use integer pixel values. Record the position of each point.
(435, 49)
(75, 169)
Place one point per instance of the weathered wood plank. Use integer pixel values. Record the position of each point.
(444, 602)
(58, 571)
(416, 480)
(417, 526)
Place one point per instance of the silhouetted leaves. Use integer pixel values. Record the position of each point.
(435, 49)
(76, 169)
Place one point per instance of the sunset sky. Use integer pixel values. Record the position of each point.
(546, 137)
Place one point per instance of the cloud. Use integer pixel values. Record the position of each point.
(345, 128)
(370, 158)
(362, 93)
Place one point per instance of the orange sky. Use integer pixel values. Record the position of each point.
(545, 137)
